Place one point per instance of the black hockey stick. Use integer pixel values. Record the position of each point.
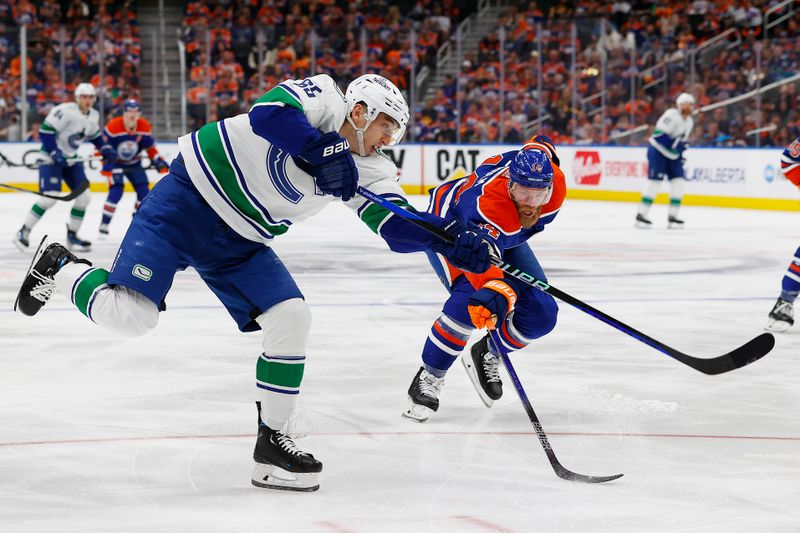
(74, 193)
(559, 469)
(741, 356)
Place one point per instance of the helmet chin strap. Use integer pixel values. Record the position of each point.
(362, 150)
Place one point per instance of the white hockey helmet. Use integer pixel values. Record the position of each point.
(85, 89)
(684, 98)
(380, 96)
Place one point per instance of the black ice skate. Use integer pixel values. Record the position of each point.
(76, 244)
(281, 465)
(423, 395)
(103, 231)
(38, 285)
(482, 368)
(674, 222)
(781, 317)
(22, 238)
(643, 222)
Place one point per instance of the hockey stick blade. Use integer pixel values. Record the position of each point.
(748, 353)
(558, 468)
(742, 356)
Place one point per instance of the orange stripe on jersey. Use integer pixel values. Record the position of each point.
(492, 160)
(794, 267)
(507, 336)
(116, 126)
(441, 192)
(143, 127)
(496, 205)
(450, 338)
(466, 185)
(559, 193)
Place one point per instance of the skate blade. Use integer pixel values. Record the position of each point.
(642, 225)
(268, 476)
(36, 255)
(417, 413)
(76, 248)
(672, 225)
(469, 366)
(777, 326)
(20, 246)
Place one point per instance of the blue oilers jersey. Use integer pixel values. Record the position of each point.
(129, 144)
(481, 199)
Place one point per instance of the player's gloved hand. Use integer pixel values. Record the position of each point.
(108, 153)
(489, 305)
(545, 139)
(160, 165)
(469, 251)
(329, 160)
(58, 158)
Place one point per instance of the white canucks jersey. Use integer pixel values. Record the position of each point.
(255, 187)
(71, 127)
(671, 129)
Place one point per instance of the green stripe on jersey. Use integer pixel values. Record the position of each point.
(96, 279)
(374, 215)
(47, 127)
(278, 94)
(280, 374)
(210, 141)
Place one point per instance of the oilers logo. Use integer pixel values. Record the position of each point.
(127, 150)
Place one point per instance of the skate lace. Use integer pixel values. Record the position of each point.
(430, 385)
(287, 444)
(490, 368)
(43, 290)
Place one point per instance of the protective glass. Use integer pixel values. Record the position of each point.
(529, 195)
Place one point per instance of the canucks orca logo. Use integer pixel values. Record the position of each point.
(276, 169)
(75, 140)
(127, 150)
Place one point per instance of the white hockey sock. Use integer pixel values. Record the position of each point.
(279, 371)
(648, 196)
(37, 211)
(119, 309)
(676, 187)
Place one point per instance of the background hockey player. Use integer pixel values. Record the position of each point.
(510, 197)
(781, 317)
(65, 127)
(235, 186)
(669, 140)
(124, 139)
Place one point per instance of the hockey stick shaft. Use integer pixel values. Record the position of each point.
(74, 193)
(744, 355)
(558, 468)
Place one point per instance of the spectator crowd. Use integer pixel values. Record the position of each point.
(582, 72)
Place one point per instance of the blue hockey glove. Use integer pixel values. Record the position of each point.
(469, 251)
(58, 158)
(109, 154)
(329, 160)
(489, 305)
(159, 164)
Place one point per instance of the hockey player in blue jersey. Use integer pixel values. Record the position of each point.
(64, 129)
(510, 197)
(781, 317)
(124, 140)
(235, 186)
(668, 142)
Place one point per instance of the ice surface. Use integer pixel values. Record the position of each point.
(155, 434)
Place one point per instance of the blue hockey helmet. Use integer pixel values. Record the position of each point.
(131, 105)
(531, 177)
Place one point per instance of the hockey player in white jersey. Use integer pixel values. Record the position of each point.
(669, 140)
(236, 185)
(66, 126)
